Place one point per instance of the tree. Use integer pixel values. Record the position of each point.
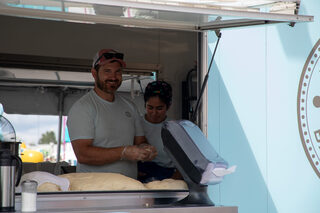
(48, 137)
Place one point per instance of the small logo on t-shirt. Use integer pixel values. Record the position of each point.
(128, 114)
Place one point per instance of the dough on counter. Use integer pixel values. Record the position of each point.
(48, 187)
(101, 182)
(167, 184)
(47, 182)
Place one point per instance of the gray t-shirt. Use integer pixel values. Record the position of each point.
(153, 134)
(109, 124)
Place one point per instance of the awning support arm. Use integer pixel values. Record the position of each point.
(61, 106)
(194, 115)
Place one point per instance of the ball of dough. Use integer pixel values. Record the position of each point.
(48, 187)
(167, 184)
(102, 182)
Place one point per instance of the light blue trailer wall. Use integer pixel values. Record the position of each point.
(253, 116)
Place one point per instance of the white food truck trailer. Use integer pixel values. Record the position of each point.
(46, 50)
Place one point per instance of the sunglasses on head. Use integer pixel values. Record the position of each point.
(108, 56)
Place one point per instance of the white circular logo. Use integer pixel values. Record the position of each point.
(128, 114)
(309, 108)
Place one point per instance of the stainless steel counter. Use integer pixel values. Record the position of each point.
(124, 202)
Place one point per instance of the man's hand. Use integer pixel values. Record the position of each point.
(139, 153)
(151, 149)
(134, 153)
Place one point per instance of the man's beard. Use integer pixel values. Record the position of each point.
(102, 85)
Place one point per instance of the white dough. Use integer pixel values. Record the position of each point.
(167, 184)
(109, 182)
(62, 184)
(49, 187)
(101, 182)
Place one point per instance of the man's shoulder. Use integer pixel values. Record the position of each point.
(125, 100)
(83, 102)
(88, 97)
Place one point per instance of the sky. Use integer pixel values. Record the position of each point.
(29, 128)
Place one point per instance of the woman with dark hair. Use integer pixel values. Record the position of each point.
(158, 98)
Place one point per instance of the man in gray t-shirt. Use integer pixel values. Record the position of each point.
(104, 127)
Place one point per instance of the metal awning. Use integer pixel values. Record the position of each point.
(188, 15)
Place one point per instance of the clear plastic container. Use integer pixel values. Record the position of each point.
(29, 196)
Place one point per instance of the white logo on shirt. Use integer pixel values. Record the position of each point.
(128, 114)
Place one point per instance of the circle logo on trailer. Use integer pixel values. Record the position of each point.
(309, 108)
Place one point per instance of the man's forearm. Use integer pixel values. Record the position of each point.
(88, 154)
